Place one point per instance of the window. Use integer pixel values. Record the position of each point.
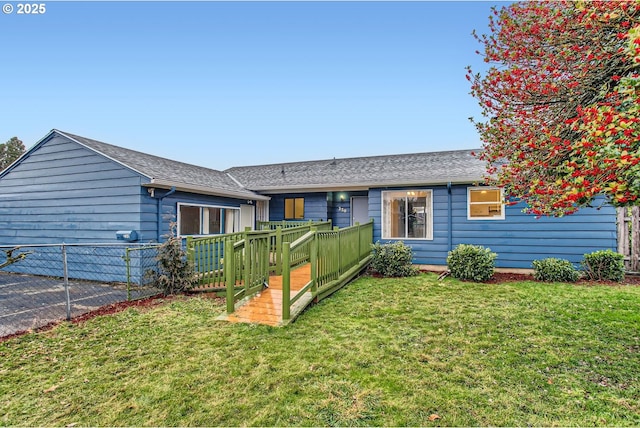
(294, 208)
(206, 220)
(262, 210)
(407, 214)
(485, 203)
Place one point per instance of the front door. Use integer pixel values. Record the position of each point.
(247, 217)
(359, 209)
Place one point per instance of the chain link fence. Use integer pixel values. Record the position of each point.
(40, 284)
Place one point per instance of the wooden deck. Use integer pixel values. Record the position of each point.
(266, 307)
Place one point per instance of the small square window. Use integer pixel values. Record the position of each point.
(294, 208)
(485, 203)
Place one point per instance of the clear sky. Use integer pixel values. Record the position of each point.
(223, 84)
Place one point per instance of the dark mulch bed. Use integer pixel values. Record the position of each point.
(501, 277)
(104, 310)
(121, 306)
(108, 310)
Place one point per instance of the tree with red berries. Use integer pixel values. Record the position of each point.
(561, 103)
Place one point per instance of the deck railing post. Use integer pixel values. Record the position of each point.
(359, 252)
(279, 250)
(247, 262)
(189, 245)
(286, 281)
(229, 274)
(314, 263)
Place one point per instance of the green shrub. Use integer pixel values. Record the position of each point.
(393, 259)
(174, 272)
(555, 270)
(604, 265)
(471, 262)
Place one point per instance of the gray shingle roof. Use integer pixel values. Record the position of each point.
(456, 166)
(166, 172)
(430, 168)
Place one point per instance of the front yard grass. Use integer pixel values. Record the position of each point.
(380, 352)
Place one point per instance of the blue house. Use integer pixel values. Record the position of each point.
(432, 202)
(74, 189)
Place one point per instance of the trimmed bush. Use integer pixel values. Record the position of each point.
(555, 270)
(393, 259)
(471, 262)
(174, 273)
(604, 265)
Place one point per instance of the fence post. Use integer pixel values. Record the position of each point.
(635, 239)
(127, 261)
(229, 274)
(623, 236)
(286, 282)
(65, 270)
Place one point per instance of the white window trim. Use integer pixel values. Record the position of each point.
(204, 214)
(429, 218)
(502, 211)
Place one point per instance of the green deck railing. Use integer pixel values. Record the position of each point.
(207, 256)
(208, 253)
(285, 224)
(336, 257)
(250, 259)
(242, 262)
(291, 234)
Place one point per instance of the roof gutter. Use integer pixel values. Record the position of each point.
(203, 190)
(355, 187)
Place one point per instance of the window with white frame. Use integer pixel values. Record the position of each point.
(407, 214)
(485, 203)
(262, 210)
(207, 220)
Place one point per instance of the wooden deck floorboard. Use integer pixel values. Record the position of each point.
(266, 307)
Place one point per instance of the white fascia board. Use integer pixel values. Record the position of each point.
(341, 187)
(203, 190)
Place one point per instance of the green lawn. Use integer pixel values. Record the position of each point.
(410, 351)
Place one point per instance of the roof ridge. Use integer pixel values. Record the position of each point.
(68, 134)
(333, 160)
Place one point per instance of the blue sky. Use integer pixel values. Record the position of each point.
(223, 84)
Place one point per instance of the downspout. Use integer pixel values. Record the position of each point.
(159, 199)
(449, 219)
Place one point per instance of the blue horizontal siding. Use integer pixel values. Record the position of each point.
(64, 192)
(61, 183)
(518, 240)
(61, 168)
(339, 207)
(315, 206)
(432, 251)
